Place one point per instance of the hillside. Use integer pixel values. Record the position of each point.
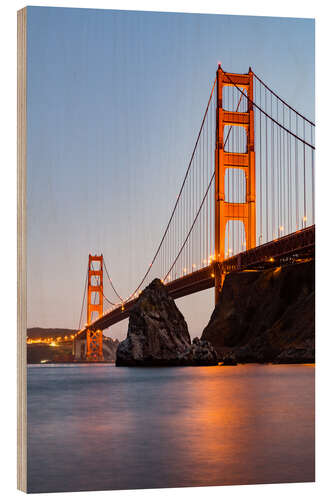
(54, 345)
(266, 316)
(41, 333)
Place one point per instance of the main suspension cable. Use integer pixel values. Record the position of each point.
(179, 195)
(111, 283)
(84, 296)
(267, 115)
(280, 99)
(201, 205)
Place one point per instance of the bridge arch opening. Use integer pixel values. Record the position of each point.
(233, 100)
(235, 139)
(96, 280)
(96, 265)
(94, 314)
(235, 185)
(95, 299)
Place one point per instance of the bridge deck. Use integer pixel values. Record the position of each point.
(298, 245)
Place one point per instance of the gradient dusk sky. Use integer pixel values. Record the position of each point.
(115, 101)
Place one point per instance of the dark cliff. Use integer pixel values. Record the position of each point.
(266, 316)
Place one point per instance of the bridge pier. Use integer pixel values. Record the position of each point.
(94, 345)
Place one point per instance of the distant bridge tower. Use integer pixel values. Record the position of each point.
(94, 348)
(224, 160)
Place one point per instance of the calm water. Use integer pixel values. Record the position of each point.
(102, 427)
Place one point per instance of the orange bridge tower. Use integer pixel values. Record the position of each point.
(95, 286)
(224, 209)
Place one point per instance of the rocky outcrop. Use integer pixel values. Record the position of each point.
(158, 334)
(266, 316)
(229, 359)
(302, 353)
(200, 352)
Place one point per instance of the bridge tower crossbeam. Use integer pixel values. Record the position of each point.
(224, 210)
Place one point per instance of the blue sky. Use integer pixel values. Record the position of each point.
(115, 100)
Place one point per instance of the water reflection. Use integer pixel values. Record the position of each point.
(101, 427)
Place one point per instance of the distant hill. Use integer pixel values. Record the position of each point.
(60, 351)
(40, 333)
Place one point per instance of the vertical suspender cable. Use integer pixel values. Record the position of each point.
(296, 174)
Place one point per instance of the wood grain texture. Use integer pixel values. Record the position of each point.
(21, 251)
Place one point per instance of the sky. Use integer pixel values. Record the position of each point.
(115, 101)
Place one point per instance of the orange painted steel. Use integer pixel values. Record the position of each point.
(224, 210)
(95, 336)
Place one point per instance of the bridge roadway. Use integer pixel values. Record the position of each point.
(290, 248)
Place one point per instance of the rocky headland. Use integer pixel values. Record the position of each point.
(261, 317)
(266, 316)
(158, 334)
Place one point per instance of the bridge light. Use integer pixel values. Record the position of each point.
(194, 266)
(305, 218)
(212, 275)
(271, 259)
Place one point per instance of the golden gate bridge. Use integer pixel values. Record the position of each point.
(246, 202)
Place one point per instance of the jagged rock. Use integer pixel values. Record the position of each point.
(298, 354)
(266, 316)
(158, 334)
(200, 352)
(157, 331)
(229, 359)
